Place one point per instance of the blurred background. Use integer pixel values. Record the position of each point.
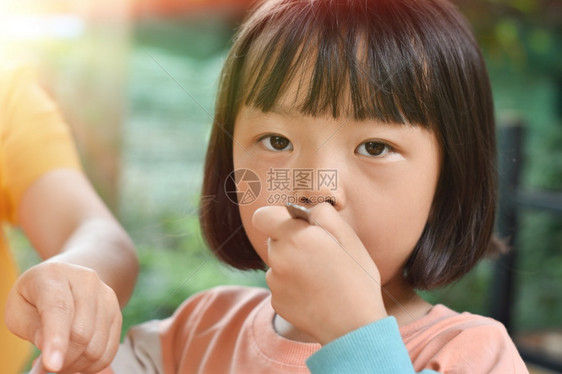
(136, 80)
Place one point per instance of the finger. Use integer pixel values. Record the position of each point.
(327, 217)
(274, 221)
(267, 219)
(110, 349)
(56, 314)
(91, 319)
(88, 356)
(21, 317)
(91, 353)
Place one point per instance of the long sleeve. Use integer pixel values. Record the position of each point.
(375, 348)
(442, 342)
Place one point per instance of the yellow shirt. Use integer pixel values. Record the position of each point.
(33, 140)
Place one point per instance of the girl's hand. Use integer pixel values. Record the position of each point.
(69, 314)
(321, 277)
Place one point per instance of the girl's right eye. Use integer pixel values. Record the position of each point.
(276, 143)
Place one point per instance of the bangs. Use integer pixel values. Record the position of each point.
(340, 62)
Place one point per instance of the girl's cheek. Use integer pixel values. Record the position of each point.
(246, 213)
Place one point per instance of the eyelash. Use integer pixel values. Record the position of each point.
(269, 147)
(387, 148)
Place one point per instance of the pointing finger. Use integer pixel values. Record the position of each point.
(57, 314)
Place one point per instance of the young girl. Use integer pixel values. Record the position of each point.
(382, 109)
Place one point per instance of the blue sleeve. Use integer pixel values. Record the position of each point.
(374, 348)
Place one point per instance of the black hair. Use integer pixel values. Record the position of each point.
(396, 61)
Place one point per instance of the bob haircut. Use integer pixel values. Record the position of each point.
(409, 62)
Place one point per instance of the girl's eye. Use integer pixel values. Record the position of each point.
(276, 143)
(373, 148)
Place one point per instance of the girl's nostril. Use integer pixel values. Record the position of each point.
(304, 200)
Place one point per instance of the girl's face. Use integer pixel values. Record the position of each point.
(382, 177)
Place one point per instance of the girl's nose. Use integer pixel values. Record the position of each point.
(325, 187)
(318, 178)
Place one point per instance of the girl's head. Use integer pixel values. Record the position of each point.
(402, 73)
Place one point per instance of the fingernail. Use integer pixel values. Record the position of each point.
(55, 361)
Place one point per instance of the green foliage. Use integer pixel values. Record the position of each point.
(468, 294)
(175, 264)
(202, 36)
(520, 33)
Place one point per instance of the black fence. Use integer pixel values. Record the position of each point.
(513, 201)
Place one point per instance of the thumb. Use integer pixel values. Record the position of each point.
(268, 220)
(21, 316)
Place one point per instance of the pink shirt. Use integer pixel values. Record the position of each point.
(230, 330)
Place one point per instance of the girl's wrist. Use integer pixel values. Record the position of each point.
(351, 324)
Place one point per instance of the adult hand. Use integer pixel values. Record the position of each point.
(322, 279)
(69, 314)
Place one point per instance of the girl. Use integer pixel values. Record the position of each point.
(392, 98)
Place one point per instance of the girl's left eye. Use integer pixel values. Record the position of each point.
(373, 148)
(276, 143)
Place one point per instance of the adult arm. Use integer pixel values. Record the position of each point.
(69, 305)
